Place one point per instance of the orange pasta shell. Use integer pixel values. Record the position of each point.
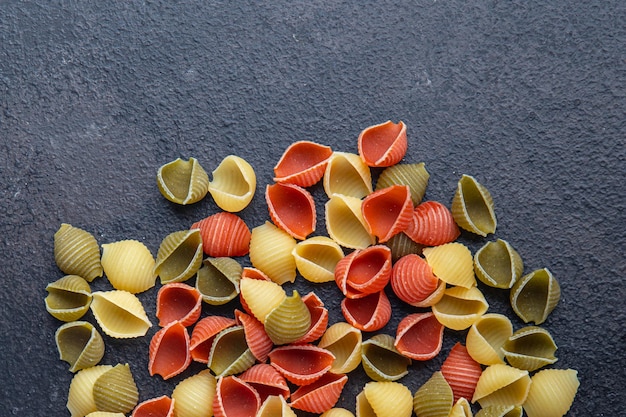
(419, 336)
(384, 144)
(432, 224)
(235, 398)
(321, 395)
(291, 208)
(412, 279)
(301, 364)
(388, 211)
(369, 313)
(266, 380)
(155, 407)
(224, 235)
(462, 372)
(169, 351)
(178, 302)
(257, 339)
(303, 163)
(364, 271)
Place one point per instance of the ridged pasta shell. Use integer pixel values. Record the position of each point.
(384, 144)
(218, 280)
(381, 360)
(369, 313)
(270, 251)
(317, 257)
(291, 208)
(275, 406)
(502, 385)
(432, 224)
(344, 341)
(115, 390)
(233, 184)
(461, 408)
(120, 314)
(320, 395)
(169, 351)
(402, 245)
(105, 414)
(224, 235)
(179, 256)
(486, 337)
(257, 339)
(266, 380)
(235, 398)
(301, 364)
(337, 412)
(348, 175)
(129, 265)
(419, 336)
(461, 371)
(473, 208)
(204, 333)
(230, 353)
(388, 211)
(319, 318)
(183, 182)
(289, 321)
(413, 175)
(178, 302)
(413, 281)
(162, 406)
(535, 295)
(530, 348)
(551, 393)
(79, 344)
(80, 399)
(193, 396)
(68, 298)
(345, 223)
(303, 163)
(384, 399)
(261, 297)
(460, 307)
(497, 264)
(364, 271)
(76, 252)
(501, 411)
(452, 263)
(434, 398)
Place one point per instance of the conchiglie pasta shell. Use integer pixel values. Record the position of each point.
(271, 251)
(413, 175)
(344, 341)
(432, 224)
(461, 409)
(218, 280)
(266, 380)
(348, 175)
(162, 406)
(178, 302)
(384, 144)
(486, 337)
(76, 252)
(115, 390)
(320, 395)
(461, 371)
(289, 321)
(388, 211)
(460, 307)
(291, 208)
(183, 182)
(337, 412)
(316, 258)
(319, 318)
(369, 313)
(193, 396)
(473, 208)
(413, 281)
(129, 266)
(301, 364)
(452, 263)
(80, 399)
(535, 295)
(204, 333)
(257, 339)
(230, 353)
(434, 398)
(552, 393)
(501, 411)
(169, 353)
(502, 385)
(384, 399)
(497, 264)
(303, 163)
(79, 344)
(419, 336)
(530, 348)
(120, 314)
(275, 406)
(381, 360)
(179, 256)
(224, 234)
(364, 271)
(233, 184)
(68, 298)
(345, 223)
(261, 297)
(235, 398)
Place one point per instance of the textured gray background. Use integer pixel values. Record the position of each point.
(529, 97)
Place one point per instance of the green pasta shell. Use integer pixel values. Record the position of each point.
(115, 390)
(218, 280)
(230, 353)
(434, 398)
(530, 348)
(402, 245)
(501, 411)
(76, 252)
(473, 208)
(79, 344)
(183, 182)
(179, 256)
(381, 360)
(68, 298)
(497, 264)
(535, 295)
(289, 321)
(413, 175)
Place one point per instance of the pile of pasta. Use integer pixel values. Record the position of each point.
(278, 352)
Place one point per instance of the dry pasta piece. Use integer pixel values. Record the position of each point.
(384, 399)
(120, 314)
(162, 406)
(320, 395)
(530, 348)
(224, 234)
(348, 175)
(105, 414)
(76, 252)
(291, 208)
(461, 371)
(364, 271)
(68, 298)
(432, 224)
(344, 341)
(337, 412)
(233, 184)
(486, 337)
(369, 313)
(303, 163)
(178, 302)
(460, 307)
(402, 245)
(461, 408)
(260, 297)
(169, 351)
(270, 251)
(473, 208)
(535, 295)
(319, 318)
(257, 339)
(551, 393)
(80, 399)
(419, 336)
(388, 211)
(434, 398)
(204, 333)
(381, 360)
(230, 353)
(129, 266)
(235, 398)
(183, 182)
(413, 175)
(497, 264)
(115, 390)
(289, 321)
(413, 281)
(501, 411)
(384, 144)
(345, 223)
(317, 257)
(275, 406)
(179, 256)
(452, 263)
(502, 385)
(266, 380)
(79, 344)
(218, 280)
(193, 396)
(301, 364)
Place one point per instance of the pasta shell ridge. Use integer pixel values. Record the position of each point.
(369, 313)
(316, 258)
(551, 393)
(120, 314)
(183, 182)
(233, 184)
(413, 281)
(257, 339)
(162, 406)
(502, 385)
(535, 295)
(218, 280)
(386, 399)
(76, 252)
(79, 344)
(344, 341)
(179, 256)
(452, 263)
(291, 208)
(497, 264)
(177, 301)
(203, 335)
(381, 360)
(266, 380)
(396, 204)
(129, 265)
(68, 298)
(473, 208)
(486, 337)
(432, 224)
(384, 144)
(193, 396)
(169, 351)
(115, 390)
(345, 223)
(320, 395)
(419, 336)
(415, 176)
(460, 307)
(434, 398)
(230, 354)
(348, 175)
(303, 163)
(461, 371)
(301, 364)
(224, 235)
(271, 251)
(530, 348)
(235, 398)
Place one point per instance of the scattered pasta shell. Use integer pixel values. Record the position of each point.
(497, 264)
(303, 163)
(434, 398)
(348, 175)
(319, 318)
(257, 339)
(80, 398)
(76, 252)
(473, 208)
(115, 390)
(320, 395)
(414, 176)
(183, 182)
(344, 342)
(369, 313)
(204, 333)
(364, 271)
(384, 144)
(193, 396)
(419, 336)
(289, 321)
(551, 393)
(120, 314)
(461, 408)
(235, 398)
(460, 307)
(275, 406)
(316, 258)
(345, 223)
(452, 263)
(535, 295)
(384, 399)
(502, 385)
(261, 297)
(169, 351)
(266, 380)
(461, 371)
(413, 281)
(432, 224)
(224, 235)
(68, 298)
(501, 411)
(233, 184)
(179, 256)
(337, 412)
(530, 348)
(402, 245)
(218, 280)
(270, 251)
(381, 360)
(230, 353)
(291, 208)
(128, 265)
(301, 364)
(486, 337)
(178, 302)
(162, 406)
(388, 211)
(79, 344)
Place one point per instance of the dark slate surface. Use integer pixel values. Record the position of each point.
(529, 97)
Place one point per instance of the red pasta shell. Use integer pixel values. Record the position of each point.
(169, 351)
(369, 313)
(224, 234)
(257, 339)
(155, 407)
(432, 224)
(319, 318)
(419, 336)
(177, 301)
(461, 371)
(384, 144)
(235, 398)
(388, 211)
(301, 364)
(203, 334)
(321, 395)
(364, 271)
(303, 163)
(291, 208)
(266, 380)
(412, 279)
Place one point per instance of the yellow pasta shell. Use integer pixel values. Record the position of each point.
(120, 314)
(461, 409)
(115, 390)
(434, 398)
(68, 298)
(271, 251)
(337, 412)
(80, 399)
(501, 411)
(413, 175)
(497, 264)
(381, 360)
(193, 396)
(473, 208)
(316, 258)
(460, 307)
(179, 256)
(183, 182)
(344, 341)
(79, 344)
(345, 223)
(105, 414)
(502, 385)
(486, 337)
(289, 321)
(218, 280)
(275, 406)
(552, 393)
(347, 174)
(233, 184)
(261, 297)
(452, 263)
(535, 295)
(384, 399)
(128, 265)
(76, 252)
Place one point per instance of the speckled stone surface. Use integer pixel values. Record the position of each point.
(528, 97)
